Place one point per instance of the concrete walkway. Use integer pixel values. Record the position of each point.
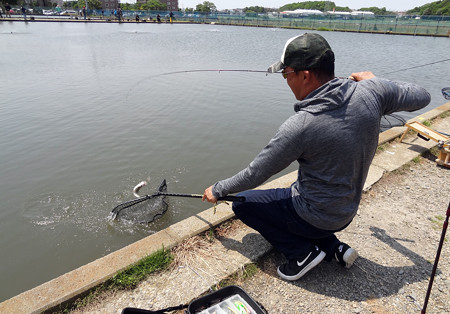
(188, 286)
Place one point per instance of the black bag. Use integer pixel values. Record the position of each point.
(231, 299)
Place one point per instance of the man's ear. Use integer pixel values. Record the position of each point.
(307, 75)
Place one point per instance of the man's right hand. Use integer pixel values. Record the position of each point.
(360, 76)
(209, 196)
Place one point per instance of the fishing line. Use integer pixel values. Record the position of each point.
(415, 67)
(401, 120)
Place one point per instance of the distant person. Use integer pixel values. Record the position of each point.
(333, 136)
(137, 17)
(24, 12)
(84, 12)
(171, 16)
(7, 10)
(119, 13)
(1, 13)
(158, 18)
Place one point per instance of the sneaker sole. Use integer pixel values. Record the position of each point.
(349, 257)
(310, 266)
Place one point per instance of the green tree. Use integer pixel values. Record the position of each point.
(254, 9)
(310, 5)
(378, 11)
(433, 8)
(206, 7)
(153, 5)
(92, 4)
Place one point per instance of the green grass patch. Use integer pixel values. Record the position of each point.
(427, 123)
(438, 222)
(382, 147)
(126, 279)
(129, 278)
(247, 271)
(445, 114)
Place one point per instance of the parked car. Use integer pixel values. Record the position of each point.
(48, 12)
(69, 12)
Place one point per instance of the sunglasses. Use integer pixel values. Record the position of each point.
(285, 74)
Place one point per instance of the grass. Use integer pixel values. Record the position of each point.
(124, 280)
(438, 222)
(129, 278)
(427, 123)
(382, 147)
(444, 114)
(244, 273)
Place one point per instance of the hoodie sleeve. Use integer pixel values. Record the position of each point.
(279, 153)
(398, 96)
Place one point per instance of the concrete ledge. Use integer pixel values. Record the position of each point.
(395, 132)
(80, 280)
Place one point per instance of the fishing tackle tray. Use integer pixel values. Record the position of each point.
(231, 299)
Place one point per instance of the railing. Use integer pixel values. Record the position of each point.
(408, 25)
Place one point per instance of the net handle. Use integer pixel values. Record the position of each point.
(140, 199)
(161, 192)
(229, 198)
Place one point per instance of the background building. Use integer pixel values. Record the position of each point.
(109, 4)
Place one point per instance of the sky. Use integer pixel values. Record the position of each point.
(391, 5)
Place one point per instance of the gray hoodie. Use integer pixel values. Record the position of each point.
(333, 136)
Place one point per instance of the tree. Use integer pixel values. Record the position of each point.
(433, 8)
(255, 9)
(206, 7)
(92, 4)
(378, 11)
(310, 5)
(153, 5)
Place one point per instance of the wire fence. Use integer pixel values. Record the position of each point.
(374, 25)
(406, 25)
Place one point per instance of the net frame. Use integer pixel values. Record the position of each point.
(145, 209)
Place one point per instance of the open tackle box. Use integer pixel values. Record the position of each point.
(228, 300)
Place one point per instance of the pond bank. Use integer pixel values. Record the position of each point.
(70, 285)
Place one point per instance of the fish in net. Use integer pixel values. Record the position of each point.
(144, 209)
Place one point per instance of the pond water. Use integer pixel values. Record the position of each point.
(89, 110)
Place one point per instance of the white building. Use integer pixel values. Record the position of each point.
(302, 12)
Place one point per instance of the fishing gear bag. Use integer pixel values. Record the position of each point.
(231, 299)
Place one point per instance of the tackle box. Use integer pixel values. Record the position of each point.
(228, 300)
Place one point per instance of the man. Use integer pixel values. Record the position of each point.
(24, 12)
(333, 135)
(7, 10)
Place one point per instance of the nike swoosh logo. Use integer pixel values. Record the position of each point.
(304, 261)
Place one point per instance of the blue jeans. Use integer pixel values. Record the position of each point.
(272, 214)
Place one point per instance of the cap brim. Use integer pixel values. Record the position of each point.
(278, 66)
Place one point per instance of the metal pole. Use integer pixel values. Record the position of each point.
(438, 254)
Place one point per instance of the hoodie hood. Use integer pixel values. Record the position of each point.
(330, 96)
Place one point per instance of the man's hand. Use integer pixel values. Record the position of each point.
(209, 196)
(360, 76)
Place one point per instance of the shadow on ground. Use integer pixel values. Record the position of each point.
(365, 280)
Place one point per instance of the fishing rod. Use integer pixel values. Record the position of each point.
(216, 70)
(267, 72)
